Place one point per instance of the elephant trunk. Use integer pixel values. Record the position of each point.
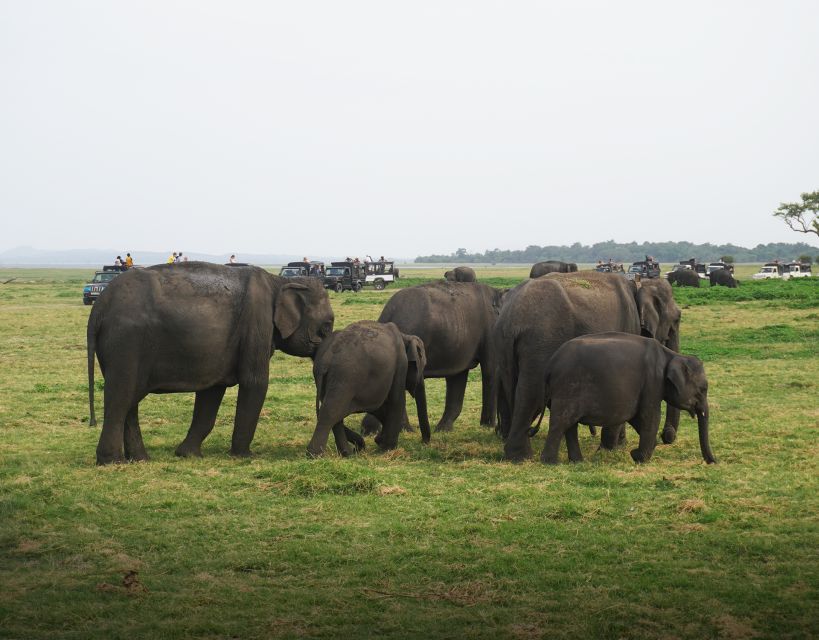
(702, 424)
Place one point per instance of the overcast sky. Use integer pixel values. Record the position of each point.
(328, 128)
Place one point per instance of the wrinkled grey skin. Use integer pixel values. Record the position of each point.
(723, 278)
(580, 388)
(366, 367)
(454, 320)
(461, 274)
(552, 266)
(196, 327)
(684, 278)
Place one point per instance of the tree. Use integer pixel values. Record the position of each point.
(801, 216)
(727, 259)
(804, 258)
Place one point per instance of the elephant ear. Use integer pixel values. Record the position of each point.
(677, 374)
(416, 362)
(289, 308)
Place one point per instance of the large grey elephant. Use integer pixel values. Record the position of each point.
(552, 266)
(366, 367)
(454, 320)
(684, 278)
(196, 327)
(461, 274)
(541, 314)
(723, 278)
(581, 388)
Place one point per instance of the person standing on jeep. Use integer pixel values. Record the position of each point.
(129, 261)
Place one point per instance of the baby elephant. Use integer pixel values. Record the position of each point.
(461, 274)
(367, 367)
(611, 378)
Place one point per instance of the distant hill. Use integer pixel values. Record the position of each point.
(631, 251)
(29, 256)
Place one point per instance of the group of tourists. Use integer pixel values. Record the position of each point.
(176, 257)
(121, 264)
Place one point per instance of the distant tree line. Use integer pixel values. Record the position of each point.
(631, 251)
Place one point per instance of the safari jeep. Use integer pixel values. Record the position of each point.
(771, 270)
(797, 270)
(295, 269)
(380, 273)
(344, 276)
(93, 289)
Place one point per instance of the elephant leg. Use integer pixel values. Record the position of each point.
(557, 429)
(340, 435)
(119, 400)
(370, 424)
(330, 417)
(573, 444)
(394, 408)
(455, 391)
(612, 437)
(672, 424)
(134, 446)
(489, 398)
(421, 407)
(529, 401)
(248, 407)
(647, 428)
(405, 423)
(205, 408)
(356, 440)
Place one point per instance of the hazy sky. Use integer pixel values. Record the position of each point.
(407, 128)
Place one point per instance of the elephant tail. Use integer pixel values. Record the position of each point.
(91, 339)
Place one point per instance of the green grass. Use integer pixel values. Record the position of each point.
(444, 540)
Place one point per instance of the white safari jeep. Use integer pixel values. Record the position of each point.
(380, 273)
(797, 270)
(769, 271)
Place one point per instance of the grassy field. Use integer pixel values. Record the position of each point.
(441, 541)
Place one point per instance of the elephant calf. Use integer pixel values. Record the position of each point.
(612, 378)
(367, 367)
(461, 274)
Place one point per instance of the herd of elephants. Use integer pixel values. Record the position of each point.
(594, 348)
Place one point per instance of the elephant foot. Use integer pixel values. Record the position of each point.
(312, 453)
(669, 435)
(444, 426)
(518, 454)
(240, 453)
(103, 460)
(407, 427)
(639, 457)
(188, 451)
(138, 457)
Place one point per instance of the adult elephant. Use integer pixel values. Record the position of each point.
(454, 320)
(684, 278)
(723, 278)
(541, 314)
(196, 327)
(552, 266)
(461, 274)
